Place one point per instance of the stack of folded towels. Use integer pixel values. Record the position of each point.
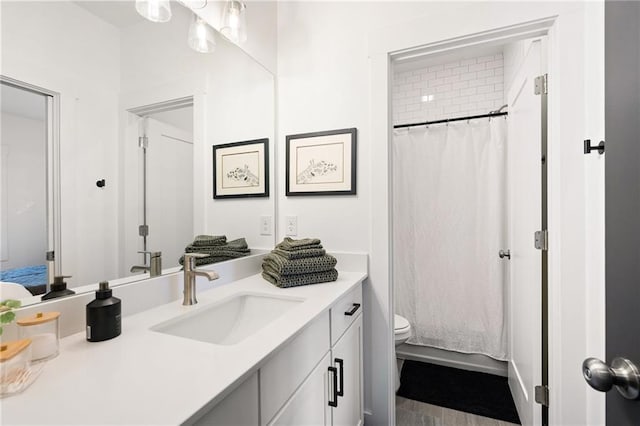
(217, 248)
(299, 262)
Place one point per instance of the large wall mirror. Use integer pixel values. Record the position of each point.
(108, 123)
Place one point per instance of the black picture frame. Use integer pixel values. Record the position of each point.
(230, 181)
(330, 158)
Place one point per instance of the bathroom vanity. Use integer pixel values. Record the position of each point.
(247, 353)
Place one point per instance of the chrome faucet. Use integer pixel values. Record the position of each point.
(155, 263)
(190, 273)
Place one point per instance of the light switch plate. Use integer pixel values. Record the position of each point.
(266, 225)
(291, 226)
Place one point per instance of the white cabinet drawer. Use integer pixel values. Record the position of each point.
(344, 312)
(288, 368)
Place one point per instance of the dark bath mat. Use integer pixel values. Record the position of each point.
(469, 391)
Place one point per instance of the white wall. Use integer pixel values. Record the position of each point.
(23, 192)
(240, 107)
(333, 72)
(234, 101)
(472, 85)
(81, 63)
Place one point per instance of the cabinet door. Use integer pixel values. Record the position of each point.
(309, 405)
(347, 358)
(290, 367)
(239, 408)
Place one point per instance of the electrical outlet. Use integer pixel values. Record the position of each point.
(291, 226)
(266, 227)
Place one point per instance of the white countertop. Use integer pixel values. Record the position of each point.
(147, 377)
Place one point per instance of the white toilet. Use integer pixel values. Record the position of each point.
(402, 331)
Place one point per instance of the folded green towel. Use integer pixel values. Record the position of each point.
(283, 266)
(285, 281)
(209, 240)
(300, 254)
(215, 258)
(239, 245)
(217, 252)
(289, 244)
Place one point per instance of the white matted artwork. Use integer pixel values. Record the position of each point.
(321, 163)
(241, 169)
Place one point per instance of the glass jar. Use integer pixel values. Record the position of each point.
(43, 330)
(15, 361)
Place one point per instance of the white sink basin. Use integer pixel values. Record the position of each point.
(230, 321)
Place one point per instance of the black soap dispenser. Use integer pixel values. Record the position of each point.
(58, 288)
(104, 315)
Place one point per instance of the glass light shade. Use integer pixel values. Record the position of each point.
(154, 10)
(194, 4)
(234, 21)
(201, 37)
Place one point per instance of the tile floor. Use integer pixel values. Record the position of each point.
(416, 413)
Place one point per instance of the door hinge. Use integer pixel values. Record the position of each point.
(542, 395)
(143, 230)
(143, 142)
(541, 240)
(540, 85)
(50, 256)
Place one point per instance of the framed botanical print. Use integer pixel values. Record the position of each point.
(321, 163)
(241, 169)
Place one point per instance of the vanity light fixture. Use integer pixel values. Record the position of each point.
(194, 4)
(201, 38)
(234, 21)
(154, 10)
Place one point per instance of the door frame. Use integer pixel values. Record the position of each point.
(54, 219)
(560, 23)
(538, 30)
(136, 104)
(141, 107)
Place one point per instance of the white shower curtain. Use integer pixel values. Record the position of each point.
(449, 222)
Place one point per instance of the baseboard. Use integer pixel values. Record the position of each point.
(471, 362)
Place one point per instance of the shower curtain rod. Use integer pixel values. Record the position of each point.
(448, 120)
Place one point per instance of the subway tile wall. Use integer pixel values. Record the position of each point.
(466, 87)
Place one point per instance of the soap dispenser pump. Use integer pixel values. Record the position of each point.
(104, 315)
(58, 288)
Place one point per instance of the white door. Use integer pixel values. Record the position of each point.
(309, 405)
(525, 191)
(347, 358)
(169, 190)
